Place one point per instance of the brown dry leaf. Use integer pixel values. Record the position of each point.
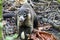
(42, 36)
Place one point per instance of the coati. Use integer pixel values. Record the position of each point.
(26, 20)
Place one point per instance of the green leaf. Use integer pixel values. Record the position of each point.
(58, 1)
(15, 35)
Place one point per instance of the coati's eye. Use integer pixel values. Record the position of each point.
(24, 14)
(19, 15)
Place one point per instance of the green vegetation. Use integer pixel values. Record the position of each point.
(0, 10)
(58, 1)
(0, 20)
(0, 30)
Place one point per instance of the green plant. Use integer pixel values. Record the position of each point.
(58, 1)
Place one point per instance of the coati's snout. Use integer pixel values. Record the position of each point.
(21, 18)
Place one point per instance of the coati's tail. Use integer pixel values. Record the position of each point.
(23, 35)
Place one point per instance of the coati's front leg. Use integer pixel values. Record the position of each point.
(31, 28)
(24, 32)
